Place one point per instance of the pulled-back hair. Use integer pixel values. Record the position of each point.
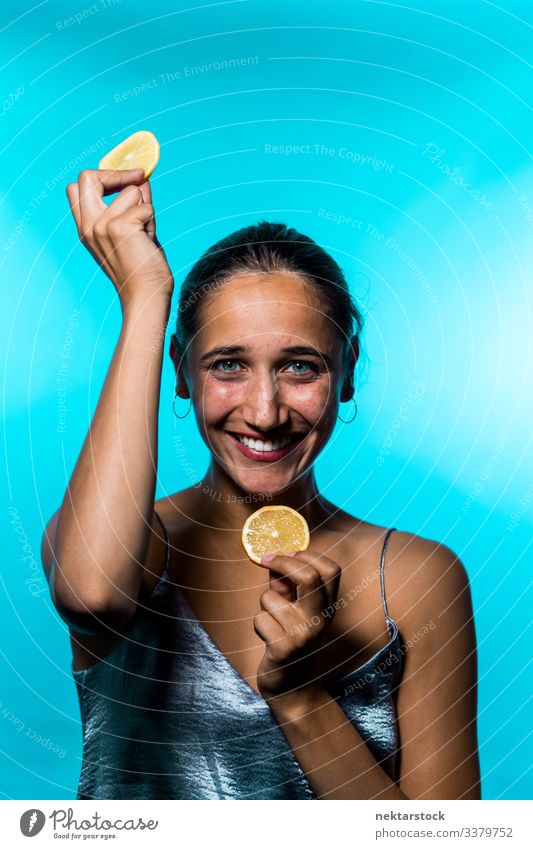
(269, 247)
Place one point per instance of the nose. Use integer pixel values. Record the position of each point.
(265, 409)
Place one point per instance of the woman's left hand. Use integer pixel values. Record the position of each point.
(295, 612)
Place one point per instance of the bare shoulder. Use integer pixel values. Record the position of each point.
(88, 649)
(174, 514)
(156, 551)
(423, 578)
(174, 510)
(47, 544)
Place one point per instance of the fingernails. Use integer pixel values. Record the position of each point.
(266, 558)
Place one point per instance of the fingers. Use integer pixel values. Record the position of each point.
(283, 586)
(139, 214)
(88, 208)
(129, 197)
(93, 185)
(116, 227)
(297, 629)
(73, 196)
(146, 191)
(310, 592)
(330, 571)
(266, 627)
(109, 241)
(282, 610)
(310, 571)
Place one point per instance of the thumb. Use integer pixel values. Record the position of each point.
(146, 197)
(146, 191)
(150, 229)
(140, 215)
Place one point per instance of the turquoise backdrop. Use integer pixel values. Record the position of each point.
(399, 137)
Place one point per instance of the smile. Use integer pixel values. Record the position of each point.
(258, 449)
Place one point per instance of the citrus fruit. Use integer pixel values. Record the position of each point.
(140, 150)
(274, 529)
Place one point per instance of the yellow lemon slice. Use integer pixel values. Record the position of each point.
(276, 529)
(140, 150)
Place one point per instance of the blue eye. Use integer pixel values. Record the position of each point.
(219, 362)
(215, 367)
(303, 363)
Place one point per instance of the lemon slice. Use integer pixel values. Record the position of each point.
(276, 529)
(140, 150)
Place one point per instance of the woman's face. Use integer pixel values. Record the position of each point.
(261, 389)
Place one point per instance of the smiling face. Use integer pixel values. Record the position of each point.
(258, 388)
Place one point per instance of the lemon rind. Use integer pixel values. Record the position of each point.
(147, 170)
(252, 516)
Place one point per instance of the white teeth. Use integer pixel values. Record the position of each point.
(257, 445)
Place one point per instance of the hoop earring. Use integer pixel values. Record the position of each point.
(354, 415)
(174, 408)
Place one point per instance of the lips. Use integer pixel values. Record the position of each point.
(265, 456)
(294, 436)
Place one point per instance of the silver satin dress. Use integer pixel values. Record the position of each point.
(166, 715)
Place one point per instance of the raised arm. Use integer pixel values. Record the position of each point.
(102, 531)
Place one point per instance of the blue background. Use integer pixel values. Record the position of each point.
(421, 118)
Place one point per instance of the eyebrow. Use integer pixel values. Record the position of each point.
(299, 350)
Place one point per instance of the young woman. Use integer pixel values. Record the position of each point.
(346, 671)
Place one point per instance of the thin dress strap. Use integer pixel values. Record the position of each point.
(167, 541)
(382, 574)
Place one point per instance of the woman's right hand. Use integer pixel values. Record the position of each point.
(121, 237)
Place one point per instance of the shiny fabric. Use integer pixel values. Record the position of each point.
(166, 715)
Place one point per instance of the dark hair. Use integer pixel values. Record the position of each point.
(269, 247)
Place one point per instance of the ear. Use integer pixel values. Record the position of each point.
(182, 389)
(354, 346)
(353, 356)
(347, 391)
(173, 351)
